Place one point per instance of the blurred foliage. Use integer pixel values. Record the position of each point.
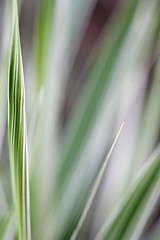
(88, 65)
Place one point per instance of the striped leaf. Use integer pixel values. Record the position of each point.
(17, 134)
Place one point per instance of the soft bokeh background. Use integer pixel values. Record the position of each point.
(88, 65)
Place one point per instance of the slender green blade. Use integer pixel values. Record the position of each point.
(126, 220)
(17, 134)
(95, 188)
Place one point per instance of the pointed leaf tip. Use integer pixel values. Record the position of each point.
(95, 188)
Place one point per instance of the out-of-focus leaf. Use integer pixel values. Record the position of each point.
(150, 120)
(7, 227)
(80, 12)
(43, 34)
(45, 147)
(124, 223)
(3, 203)
(6, 29)
(17, 134)
(84, 114)
(120, 80)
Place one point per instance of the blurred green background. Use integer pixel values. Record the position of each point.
(88, 65)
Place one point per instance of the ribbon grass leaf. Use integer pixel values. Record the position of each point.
(95, 187)
(17, 134)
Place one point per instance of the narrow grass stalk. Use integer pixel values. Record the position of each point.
(17, 134)
(95, 187)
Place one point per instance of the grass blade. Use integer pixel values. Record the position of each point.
(95, 187)
(17, 134)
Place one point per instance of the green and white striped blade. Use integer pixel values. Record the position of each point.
(17, 134)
